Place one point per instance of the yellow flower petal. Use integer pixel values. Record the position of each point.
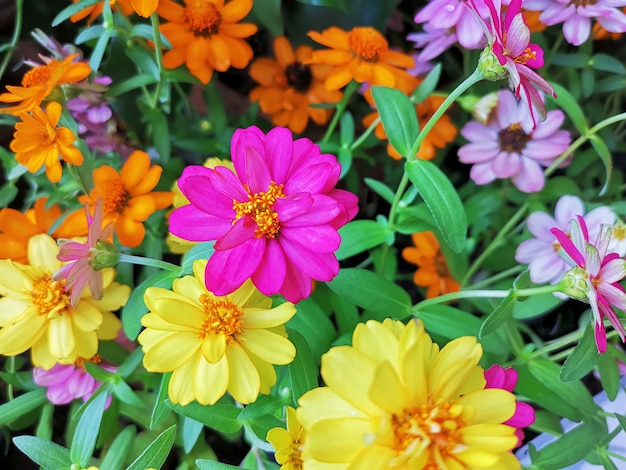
(42, 252)
(255, 318)
(86, 317)
(171, 352)
(210, 381)
(491, 405)
(268, 346)
(214, 347)
(20, 336)
(180, 389)
(244, 381)
(338, 440)
(61, 338)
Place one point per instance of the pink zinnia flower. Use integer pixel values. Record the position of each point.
(510, 43)
(81, 270)
(542, 252)
(68, 382)
(274, 220)
(576, 16)
(509, 146)
(506, 379)
(595, 276)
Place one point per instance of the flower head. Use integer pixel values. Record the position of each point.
(207, 35)
(66, 382)
(83, 268)
(509, 41)
(38, 141)
(541, 253)
(128, 199)
(288, 86)
(288, 443)
(396, 399)
(432, 271)
(510, 145)
(275, 219)
(94, 11)
(213, 344)
(361, 54)
(39, 83)
(37, 313)
(600, 273)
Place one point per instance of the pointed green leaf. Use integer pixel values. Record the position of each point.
(221, 416)
(21, 405)
(427, 86)
(86, 433)
(199, 251)
(43, 452)
(160, 410)
(120, 449)
(583, 358)
(499, 316)
(397, 114)
(213, 465)
(67, 12)
(302, 369)
(156, 453)
(358, 236)
(571, 107)
(609, 374)
(605, 156)
(381, 189)
(622, 420)
(191, 430)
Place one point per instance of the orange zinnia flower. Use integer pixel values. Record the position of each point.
(17, 228)
(361, 54)
(439, 136)
(38, 141)
(288, 86)
(206, 35)
(39, 82)
(128, 200)
(433, 270)
(94, 11)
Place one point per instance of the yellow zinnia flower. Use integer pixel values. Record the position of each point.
(288, 443)
(36, 314)
(214, 344)
(394, 400)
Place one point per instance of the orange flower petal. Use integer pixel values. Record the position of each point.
(236, 10)
(134, 170)
(283, 52)
(129, 232)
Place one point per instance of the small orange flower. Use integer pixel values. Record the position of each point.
(533, 21)
(39, 82)
(206, 35)
(94, 11)
(17, 228)
(432, 270)
(128, 200)
(598, 32)
(439, 136)
(361, 54)
(38, 141)
(288, 87)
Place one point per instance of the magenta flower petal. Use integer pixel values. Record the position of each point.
(323, 265)
(282, 155)
(240, 232)
(297, 285)
(193, 224)
(319, 238)
(227, 270)
(270, 275)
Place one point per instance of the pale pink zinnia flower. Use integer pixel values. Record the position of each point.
(506, 379)
(509, 146)
(80, 271)
(509, 41)
(542, 252)
(66, 382)
(275, 219)
(595, 276)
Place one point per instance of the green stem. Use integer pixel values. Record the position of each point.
(557, 344)
(10, 370)
(496, 277)
(365, 134)
(514, 337)
(350, 89)
(464, 294)
(157, 263)
(158, 49)
(14, 38)
(616, 456)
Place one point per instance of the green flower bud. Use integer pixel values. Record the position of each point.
(489, 66)
(575, 284)
(104, 255)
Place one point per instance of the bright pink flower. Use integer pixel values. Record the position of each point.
(595, 276)
(80, 271)
(275, 219)
(506, 379)
(510, 42)
(68, 382)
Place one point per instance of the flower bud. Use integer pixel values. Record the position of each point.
(575, 283)
(104, 255)
(489, 66)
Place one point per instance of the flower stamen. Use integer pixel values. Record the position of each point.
(222, 316)
(260, 207)
(513, 139)
(367, 43)
(49, 297)
(203, 17)
(113, 194)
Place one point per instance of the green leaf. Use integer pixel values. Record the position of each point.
(7, 194)
(21, 405)
(346, 128)
(499, 316)
(313, 323)
(622, 420)
(131, 363)
(213, 465)
(160, 134)
(70, 10)
(199, 251)
(607, 463)
(221, 416)
(381, 189)
(583, 358)
(137, 81)
(126, 394)
(397, 114)
(43, 452)
(88, 34)
(428, 85)
(120, 449)
(605, 156)
(302, 369)
(264, 405)
(609, 374)
(98, 52)
(571, 107)
(135, 307)
(268, 13)
(156, 453)
(191, 430)
(442, 201)
(372, 292)
(86, 433)
(341, 5)
(607, 63)
(160, 410)
(358, 236)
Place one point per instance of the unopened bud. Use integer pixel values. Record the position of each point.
(489, 66)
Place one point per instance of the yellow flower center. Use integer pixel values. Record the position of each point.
(440, 265)
(367, 43)
(260, 207)
(203, 17)
(38, 76)
(49, 297)
(619, 231)
(424, 426)
(221, 316)
(513, 139)
(299, 76)
(113, 194)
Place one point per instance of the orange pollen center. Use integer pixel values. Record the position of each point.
(513, 139)
(367, 43)
(221, 316)
(525, 56)
(203, 17)
(38, 76)
(260, 207)
(423, 426)
(440, 265)
(49, 297)
(113, 194)
(80, 362)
